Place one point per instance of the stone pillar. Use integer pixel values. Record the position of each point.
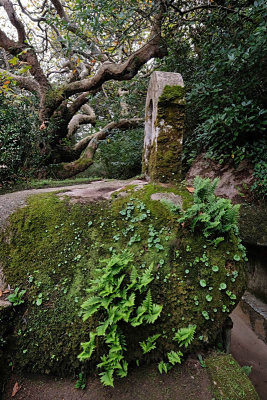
(164, 127)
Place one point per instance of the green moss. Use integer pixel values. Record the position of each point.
(229, 382)
(165, 154)
(52, 248)
(172, 93)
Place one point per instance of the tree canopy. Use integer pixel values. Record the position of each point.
(72, 55)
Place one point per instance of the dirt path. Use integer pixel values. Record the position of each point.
(93, 191)
(248, 349)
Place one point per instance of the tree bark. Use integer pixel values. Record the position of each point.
(90, 144)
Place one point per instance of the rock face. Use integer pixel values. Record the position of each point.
(164, 127)
(55, 247)
(232, 181)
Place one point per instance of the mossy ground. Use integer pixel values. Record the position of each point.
(226, 377)
(52, 248)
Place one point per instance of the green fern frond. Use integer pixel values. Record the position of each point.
(149, 344)
(155, 313)
(184, 336)
(146, 278)
(107, 378)
(163, 367)
(147, 303)
(174, 357)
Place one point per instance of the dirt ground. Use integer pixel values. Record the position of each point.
(189, 382)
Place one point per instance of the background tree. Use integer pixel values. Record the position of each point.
(74, 55)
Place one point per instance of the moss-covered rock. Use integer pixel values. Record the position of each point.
(229, 381)
(52, 249)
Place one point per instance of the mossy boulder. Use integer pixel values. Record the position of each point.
(52, 248)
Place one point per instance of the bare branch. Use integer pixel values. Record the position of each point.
(81, 119)
(125, 71)
(11, 13)
(66, 170)
(40, 19)
(104, 132)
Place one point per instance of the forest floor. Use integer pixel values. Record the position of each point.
(188, 383)
(145, 383)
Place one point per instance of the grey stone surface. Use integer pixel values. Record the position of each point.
(164, 125)
(173, 198)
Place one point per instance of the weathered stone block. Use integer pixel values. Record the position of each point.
(164, 127)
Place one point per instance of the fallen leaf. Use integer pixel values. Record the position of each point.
(15, 390)
(43, 126)
(6, 291)
(190, 189)
(183, 224)
(1, 293)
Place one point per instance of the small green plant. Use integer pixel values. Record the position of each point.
(210, 214)
(203, 283)
(117, 295)
(149, 344)
(16, 297)
(81, 381)
(201, 361)
(184, 336)
(247, 369)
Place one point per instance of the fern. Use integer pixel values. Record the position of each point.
(107, 378)
(147, 303)
(154, 314)
(146, 278)
(174, 357)
(113, 294)
(163, 367)
(149, 344)
(184, 336)
(88, 348)
(210, 214)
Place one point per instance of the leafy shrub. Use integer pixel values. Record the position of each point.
(121, 153)
(212, 215)
(224, 71)
(18, 139)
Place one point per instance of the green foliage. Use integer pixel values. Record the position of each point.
(116, 295)
(222, 58)
(81, 382)
(16, 298)
(149, 344)
(174, 357)
(260, 175)
(18, 139)
(121, 153)
(213, 215)
(247, 369)
(185, 336)
(163, 367)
